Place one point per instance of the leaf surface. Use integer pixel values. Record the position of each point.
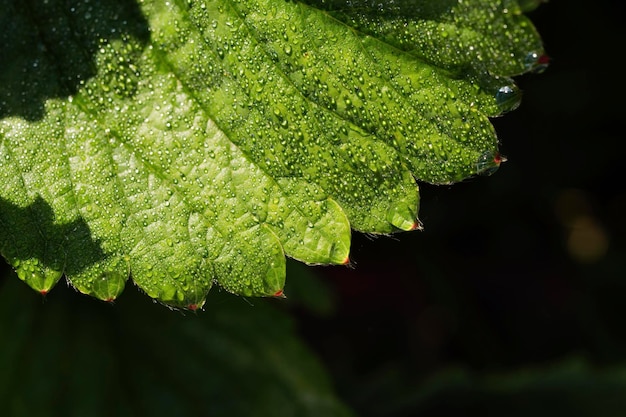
(190, 142)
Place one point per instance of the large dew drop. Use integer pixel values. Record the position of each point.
(536, 62)
(488, 163)
(508, 98)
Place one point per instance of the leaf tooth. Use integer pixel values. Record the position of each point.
(104, 280)
(403, 217)
(254, 265)
(37, 275)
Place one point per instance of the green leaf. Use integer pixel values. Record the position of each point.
(189, 142)
(72, 357)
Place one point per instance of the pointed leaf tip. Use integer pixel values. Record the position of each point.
(489, 162)
(417, 226)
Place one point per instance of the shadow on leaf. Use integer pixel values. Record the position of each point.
(31, 233)
(47, 49)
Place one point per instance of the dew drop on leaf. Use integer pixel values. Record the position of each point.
(488, 163)
(537, 62)
(508, 97)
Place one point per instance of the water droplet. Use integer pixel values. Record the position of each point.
(508, 97)
(536, 62)
(488, 163)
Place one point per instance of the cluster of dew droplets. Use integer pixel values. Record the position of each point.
(289, 108)
(348, 84)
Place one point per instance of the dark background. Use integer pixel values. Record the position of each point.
(522, 272)
(512, 299)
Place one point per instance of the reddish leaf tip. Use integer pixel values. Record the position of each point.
(192, 307)
(538, 62)
(543, 60)
(417, 225)
(279, 294)
(346, 261)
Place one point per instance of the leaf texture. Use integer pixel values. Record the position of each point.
(187, 143)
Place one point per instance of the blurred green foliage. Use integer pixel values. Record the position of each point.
(66, 355)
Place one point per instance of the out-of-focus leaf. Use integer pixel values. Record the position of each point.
(70, 356)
